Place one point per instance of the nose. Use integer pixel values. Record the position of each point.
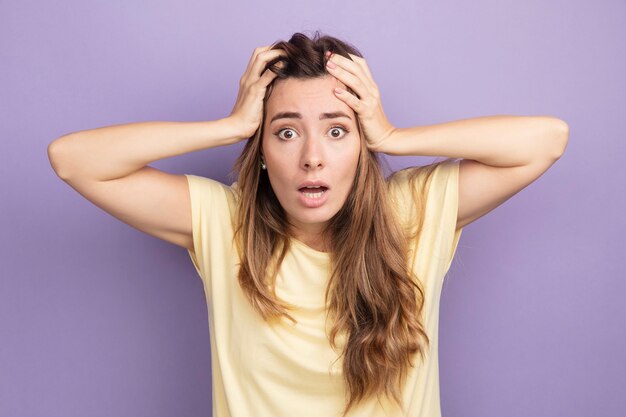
(312, 154)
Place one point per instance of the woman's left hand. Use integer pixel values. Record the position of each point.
(356, 75)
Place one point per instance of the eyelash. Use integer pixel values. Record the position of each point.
(278, 132)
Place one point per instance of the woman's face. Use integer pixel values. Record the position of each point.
(310, 135)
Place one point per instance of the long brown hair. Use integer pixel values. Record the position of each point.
(373, 297)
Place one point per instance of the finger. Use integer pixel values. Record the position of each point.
(350, 80)
(264, 57)
(266, 78)
(250, 66)
(350, 99)
(363, 63)
(353, 67)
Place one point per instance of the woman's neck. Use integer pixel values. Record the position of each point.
(313, 240)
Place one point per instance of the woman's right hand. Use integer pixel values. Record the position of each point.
(248, 110)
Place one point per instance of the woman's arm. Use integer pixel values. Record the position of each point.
(109, 167)
(500, 155)
(499, 141)
(116, 151)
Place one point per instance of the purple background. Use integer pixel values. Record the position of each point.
(99, 319)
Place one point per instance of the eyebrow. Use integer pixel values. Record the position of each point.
(296, 115)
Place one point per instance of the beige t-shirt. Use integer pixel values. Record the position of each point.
(284, 370)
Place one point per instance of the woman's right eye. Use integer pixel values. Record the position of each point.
(283, 130)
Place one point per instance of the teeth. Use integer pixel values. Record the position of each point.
(313, 195)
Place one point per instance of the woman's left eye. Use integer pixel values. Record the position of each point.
(346, 131)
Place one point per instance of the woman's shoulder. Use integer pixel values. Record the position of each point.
(420, 176)
(209, 193)
(419, 191)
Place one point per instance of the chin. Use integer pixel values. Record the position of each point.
(322, 216)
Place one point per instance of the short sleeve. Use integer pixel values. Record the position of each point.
(439, 236)
(212, 215)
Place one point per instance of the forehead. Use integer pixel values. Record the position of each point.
(313, 95)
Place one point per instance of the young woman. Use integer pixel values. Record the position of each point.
(322, 277)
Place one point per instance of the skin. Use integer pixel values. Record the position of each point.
(310, 149)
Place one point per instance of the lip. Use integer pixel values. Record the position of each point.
(313, 183)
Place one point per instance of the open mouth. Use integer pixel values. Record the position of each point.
(313, 192)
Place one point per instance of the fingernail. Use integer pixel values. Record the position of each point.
(331, 64)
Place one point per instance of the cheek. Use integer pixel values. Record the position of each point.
(280, 177)
(283, 165)
(353, 155)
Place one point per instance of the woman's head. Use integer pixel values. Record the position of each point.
(372, 296)
(307, 134)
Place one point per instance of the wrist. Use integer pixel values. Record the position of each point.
(235, 129)
(383, 144)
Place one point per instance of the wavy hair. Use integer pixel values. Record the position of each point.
(373, 297)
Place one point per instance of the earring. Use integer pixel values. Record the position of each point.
(263, 166)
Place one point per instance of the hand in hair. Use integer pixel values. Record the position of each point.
(355, 74)
(248, 109)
